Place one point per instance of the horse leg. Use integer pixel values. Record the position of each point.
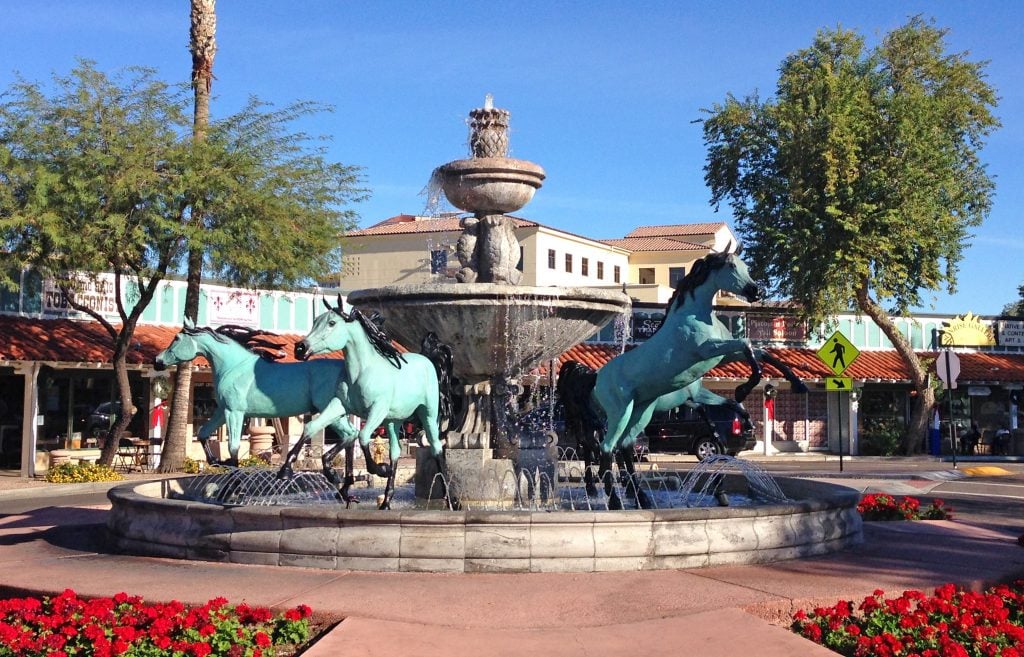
(345, 438)
(205, 431)
(755, 374)
(606, 475)
(633, 487)
(235, 420)
(395, 453)
(796, 384)
(286, 471)
(430, 422)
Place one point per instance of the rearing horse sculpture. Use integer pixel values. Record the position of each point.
(614, 405)
(382, 385)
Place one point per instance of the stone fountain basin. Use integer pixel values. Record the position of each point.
(490, 185)
(145, 520)
(493, 329)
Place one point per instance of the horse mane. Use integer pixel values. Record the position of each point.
(374, 329)
(244, 336)
(697, 276)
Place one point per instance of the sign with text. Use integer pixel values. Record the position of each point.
(645, 327)
(762, 328)
(94, 293)
(1010, 332)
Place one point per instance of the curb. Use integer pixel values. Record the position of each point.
(58, 490)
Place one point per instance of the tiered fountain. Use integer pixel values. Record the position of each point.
(497, 331)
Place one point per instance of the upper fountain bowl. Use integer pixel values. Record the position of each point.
(495, 330)
(490, 185)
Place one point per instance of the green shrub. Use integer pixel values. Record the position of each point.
(881, 437)
(78, 473)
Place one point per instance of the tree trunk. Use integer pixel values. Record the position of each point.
(203, 45)
(924, 401)
(124, 388)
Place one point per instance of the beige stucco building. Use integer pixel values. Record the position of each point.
(408, 249)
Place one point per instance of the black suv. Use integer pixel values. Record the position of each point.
(683, 430)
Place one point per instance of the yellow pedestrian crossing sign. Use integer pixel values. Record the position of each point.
(838, 383)
(838, 353)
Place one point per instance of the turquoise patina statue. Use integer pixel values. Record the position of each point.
(610, 408)
(247, 384)
(384, 386)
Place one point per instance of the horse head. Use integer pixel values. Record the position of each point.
(183, 348)
(329, 332)
(730, 274)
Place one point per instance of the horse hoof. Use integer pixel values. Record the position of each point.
(723, 499)
(285, 472)
(614, 503)
(644, 501)
(591, 490)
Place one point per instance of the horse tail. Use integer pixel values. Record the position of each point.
(575, 383)
(440, 355)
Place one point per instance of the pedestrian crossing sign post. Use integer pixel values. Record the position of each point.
(838, 353)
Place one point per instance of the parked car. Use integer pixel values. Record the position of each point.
(101, 418)
(684, 430)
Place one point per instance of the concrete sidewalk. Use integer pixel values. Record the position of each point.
(710, 612)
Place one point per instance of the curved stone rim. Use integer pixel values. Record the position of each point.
(144, 522)
(496, 169)
(468, 291)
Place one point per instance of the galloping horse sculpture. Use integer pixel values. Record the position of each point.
(384, 386)
(666, 369)
(246, 384)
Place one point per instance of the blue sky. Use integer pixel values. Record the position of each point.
(603, 94)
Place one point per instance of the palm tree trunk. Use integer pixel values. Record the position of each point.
(203, 46)
(924, 401)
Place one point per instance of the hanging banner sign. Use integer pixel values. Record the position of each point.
(228, 306)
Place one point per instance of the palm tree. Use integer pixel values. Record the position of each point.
(203, 46)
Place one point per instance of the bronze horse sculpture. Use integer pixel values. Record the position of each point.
(609, 408)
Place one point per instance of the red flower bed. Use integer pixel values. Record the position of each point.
(950, 623)
(124, 625)
(886, 507)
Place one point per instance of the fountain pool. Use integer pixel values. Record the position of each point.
(498, 331)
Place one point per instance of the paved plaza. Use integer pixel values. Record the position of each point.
(731, 610)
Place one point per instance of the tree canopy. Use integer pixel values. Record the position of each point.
(857, 185)
(100, 173)
(864, 168)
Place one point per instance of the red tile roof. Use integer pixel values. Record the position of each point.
(406, 224)
(975, 367)
(654, 244)
(70, 341)
(676, 230)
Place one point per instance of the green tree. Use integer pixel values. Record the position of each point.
(1015, 308)
(857, 185)
(101, 174)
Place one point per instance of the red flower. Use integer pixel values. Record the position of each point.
(262, 639)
